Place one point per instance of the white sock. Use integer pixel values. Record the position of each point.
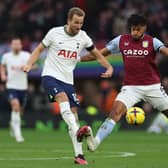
(76, 145)
(70, 120)
(104, 130)
(15, 117)
(68, 116)
(76, 118)
(16, 122)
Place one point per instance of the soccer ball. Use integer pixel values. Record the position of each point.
(135, 115)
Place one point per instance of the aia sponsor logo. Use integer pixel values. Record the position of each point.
(68, 54)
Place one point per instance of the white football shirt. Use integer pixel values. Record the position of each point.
(63, 53)
(16, 78)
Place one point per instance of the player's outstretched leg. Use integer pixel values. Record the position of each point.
(79, 157)
(70, 120)
(86, 132)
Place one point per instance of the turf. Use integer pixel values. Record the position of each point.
(53, 150)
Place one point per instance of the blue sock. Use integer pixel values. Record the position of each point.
(104, 130)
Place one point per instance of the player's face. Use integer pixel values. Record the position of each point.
(137, 32)
(75, 24)
(16, 45)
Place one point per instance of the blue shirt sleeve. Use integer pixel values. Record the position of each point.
(113, 45)
(157, 44)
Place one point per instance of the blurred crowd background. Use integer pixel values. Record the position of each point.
(104, 20)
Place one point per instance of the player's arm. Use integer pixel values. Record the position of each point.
(111, 47)
(34, 57)
(102, 60)
(164, 51)
(3, 72)
(3, 69)
(160, 46)
(90, 57)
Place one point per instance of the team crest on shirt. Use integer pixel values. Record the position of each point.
(77, 45)
(145, 44)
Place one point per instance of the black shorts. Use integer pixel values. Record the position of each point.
(53, 86)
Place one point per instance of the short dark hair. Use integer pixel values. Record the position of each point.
(136, 19)
(75, 11)
(15, 37)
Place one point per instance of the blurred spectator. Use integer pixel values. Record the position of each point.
(107, 18)
(90, 93)
(104, 26)
(108, 95)
(120, 23)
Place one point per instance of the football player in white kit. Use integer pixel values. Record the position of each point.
(16, 83)
(64, 45)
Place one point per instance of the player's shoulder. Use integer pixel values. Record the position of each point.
(147, 36)
(7, 54)
(83, 34)
(23, 52)
(56, 29)
(126, 36)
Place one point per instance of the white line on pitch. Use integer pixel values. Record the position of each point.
(107, 155)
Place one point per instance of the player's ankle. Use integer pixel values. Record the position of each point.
(97, 142)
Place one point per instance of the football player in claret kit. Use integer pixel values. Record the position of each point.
(16, 83)
(141, 79)
(64, 45)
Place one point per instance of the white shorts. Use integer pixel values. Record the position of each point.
(153, 94)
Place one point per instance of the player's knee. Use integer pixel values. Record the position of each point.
(15, 104)
(68, 116)
(117, 111)
(115, 115)
(61, 97)
(65, 107)
(65, 111)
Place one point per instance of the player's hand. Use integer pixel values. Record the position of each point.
(108, 73)
(26, 68)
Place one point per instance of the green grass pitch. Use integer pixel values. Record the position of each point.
(53, 149)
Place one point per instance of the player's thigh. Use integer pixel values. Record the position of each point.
(22, 95)
(13, 96)
(158, 98)
(73, 99)
(15, 103)
(129, 95)
(59, 91)
(54, 89)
